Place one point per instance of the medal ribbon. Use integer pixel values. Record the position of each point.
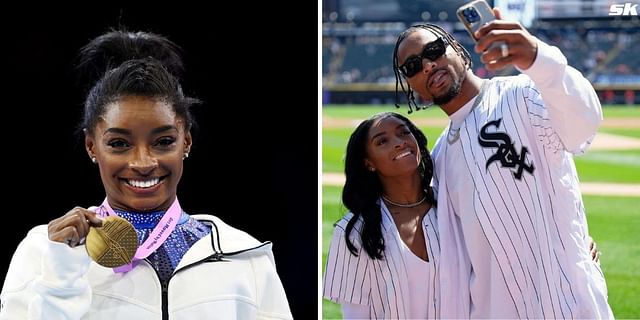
(157, 237)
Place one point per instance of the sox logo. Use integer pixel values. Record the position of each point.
(506, 153)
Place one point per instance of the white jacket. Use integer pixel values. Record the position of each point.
(226, 275)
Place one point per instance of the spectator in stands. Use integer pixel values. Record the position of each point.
(513, 231)
(600, 57)
(622, 69)
(609, 96)
(629, 97)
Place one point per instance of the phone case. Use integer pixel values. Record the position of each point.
(474, 15)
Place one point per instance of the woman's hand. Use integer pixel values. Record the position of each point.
(593, 249)
(73, 226)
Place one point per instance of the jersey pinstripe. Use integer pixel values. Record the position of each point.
(513, 186)
(382, 285)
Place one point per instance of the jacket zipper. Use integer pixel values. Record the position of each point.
(165, 287)
(165, 292)
(165, 300)
(215, 257)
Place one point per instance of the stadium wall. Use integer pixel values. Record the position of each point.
(371, 93)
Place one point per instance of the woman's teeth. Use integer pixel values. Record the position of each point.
(143, 184)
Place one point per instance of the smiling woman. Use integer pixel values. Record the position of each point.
(140, 145)
(390, 233)
(136, 128)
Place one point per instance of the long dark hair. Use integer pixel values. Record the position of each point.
(363, 188)
(401, 81)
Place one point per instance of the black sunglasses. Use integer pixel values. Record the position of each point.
(432, 51)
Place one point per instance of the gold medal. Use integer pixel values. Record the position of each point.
(114, 244)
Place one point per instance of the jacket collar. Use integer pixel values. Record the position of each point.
(223, 241)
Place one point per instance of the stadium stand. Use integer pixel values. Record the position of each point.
(356, 55)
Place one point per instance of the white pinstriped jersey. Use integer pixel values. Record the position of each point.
(508, 182)
(382, 285)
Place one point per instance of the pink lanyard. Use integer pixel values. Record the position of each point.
(157, 237)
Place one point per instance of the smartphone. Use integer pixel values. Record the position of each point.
(474, 15)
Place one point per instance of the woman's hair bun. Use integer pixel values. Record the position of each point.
(111, 49)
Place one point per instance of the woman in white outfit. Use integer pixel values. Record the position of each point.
(391, 229)
(137, 131)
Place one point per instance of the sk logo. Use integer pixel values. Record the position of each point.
(506, 153)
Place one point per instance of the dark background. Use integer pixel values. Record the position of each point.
(254, 160)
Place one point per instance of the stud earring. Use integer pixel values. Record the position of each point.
(186, 155)
(94, 160)
(372, 169)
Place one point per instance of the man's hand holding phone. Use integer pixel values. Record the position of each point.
(500, 43)
(522, 47)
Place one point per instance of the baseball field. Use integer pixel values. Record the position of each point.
(610, 181)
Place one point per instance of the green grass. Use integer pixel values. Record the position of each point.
(334, 144)
(331, 310)
(617, 111)
(633, 133)
(614, 223)
(609, 166)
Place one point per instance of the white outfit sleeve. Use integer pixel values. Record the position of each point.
(573, 106)
(346, 277)
(355, 311)
(46, 280)
(272, 300)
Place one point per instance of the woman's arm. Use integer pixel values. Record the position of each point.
(47, 275)
(46, 280)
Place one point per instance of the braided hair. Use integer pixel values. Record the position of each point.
(400, 80)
